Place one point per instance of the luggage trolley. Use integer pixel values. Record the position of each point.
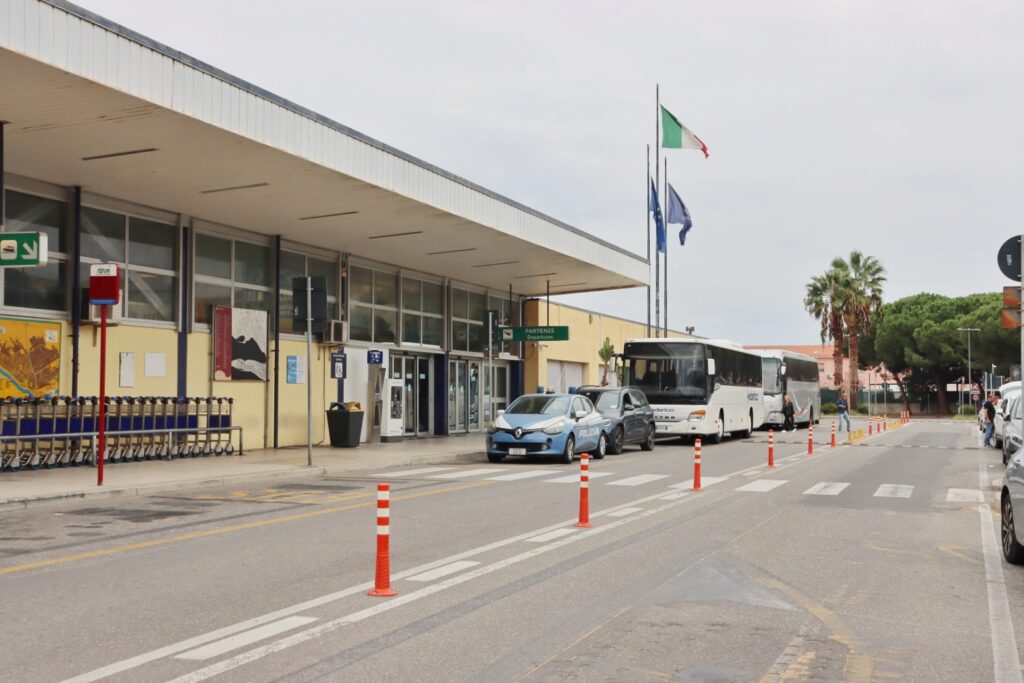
(65, 422)
(88, 447)
(136, 422)
(30, 426)
(10, 415)
(164, 420)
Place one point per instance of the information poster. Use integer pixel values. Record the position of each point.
(29, 358)
(296, 369)
(239, 344)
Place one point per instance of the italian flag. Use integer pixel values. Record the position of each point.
(675, 135)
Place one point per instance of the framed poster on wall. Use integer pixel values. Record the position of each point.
(239, 344)
(29, 358)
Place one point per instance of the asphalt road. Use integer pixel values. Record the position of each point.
(858, 563)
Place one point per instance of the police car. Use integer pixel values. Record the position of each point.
(556, 425)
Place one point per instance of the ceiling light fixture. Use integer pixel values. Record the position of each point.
(570, 284)
(396, 234)
(499, 263)
(233, 187)
(450, 251)
(524, 277)
(126, 153)
(327, 215)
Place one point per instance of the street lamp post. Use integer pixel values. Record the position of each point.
(970, 384)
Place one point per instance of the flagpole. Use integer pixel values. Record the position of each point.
(647, 207)
(657, 182)
(665, 195)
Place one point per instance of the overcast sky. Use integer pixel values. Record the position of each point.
(889, 126)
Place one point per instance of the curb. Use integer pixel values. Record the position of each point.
(295, 472)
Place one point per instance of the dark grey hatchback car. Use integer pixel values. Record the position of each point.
(628, 416)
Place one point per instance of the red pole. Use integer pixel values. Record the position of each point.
(382, 579)
(771, 448)
(102, 440)
(584, 520)
(810, 438)
(833, 433)
(871, 424)
(696, 465)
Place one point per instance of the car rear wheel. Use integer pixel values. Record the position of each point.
(495, 457)
(602, 447)
(648, 443)
(618, 441)
(570, 450)
(1012, 550)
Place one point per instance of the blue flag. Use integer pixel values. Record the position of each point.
(659, 224)
(678, 214)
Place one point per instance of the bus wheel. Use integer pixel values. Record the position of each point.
(745, 434)
(720, 433)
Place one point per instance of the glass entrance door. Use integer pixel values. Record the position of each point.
(474, 396)
(414, 372)
(497, 390)
(465, 380)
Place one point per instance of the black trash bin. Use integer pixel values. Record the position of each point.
(344, 425)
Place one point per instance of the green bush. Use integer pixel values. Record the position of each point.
(861, 410)
(829, 408)
(969, 411)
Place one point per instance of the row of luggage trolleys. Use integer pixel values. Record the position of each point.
(60, 431)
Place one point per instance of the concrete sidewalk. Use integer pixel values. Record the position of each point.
(134, 478)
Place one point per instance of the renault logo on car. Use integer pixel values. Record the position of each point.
(518, 433)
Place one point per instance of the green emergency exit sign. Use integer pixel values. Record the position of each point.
(545, 333)
(23, 249)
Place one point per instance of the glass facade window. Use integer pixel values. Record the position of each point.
(374, 296)
(422, 307)
(146, 249)
(44, 288)
(230, 272)
(295, 265)
(468, 311)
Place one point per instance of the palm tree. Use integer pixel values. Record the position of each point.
(824, 301)
(861, 298)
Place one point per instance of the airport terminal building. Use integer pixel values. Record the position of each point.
(212, 195)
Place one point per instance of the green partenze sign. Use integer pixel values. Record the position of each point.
(546, 333)
(23, 249)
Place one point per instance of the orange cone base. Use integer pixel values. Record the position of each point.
(382, 593)
(584, 525)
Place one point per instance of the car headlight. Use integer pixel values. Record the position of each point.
(499, 423)
(697, 416)
(555, 427)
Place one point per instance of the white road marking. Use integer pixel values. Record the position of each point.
(1005, 658)
(443, 571)
(462, 474)
(247, 638)
(638, 480)
(575, 478)
(624, 512)
(763, 485)
(704, 483)
(965, 496)
(515, 476)
(826, 488)
(551, 535)
(752, 473)
(410, 473)
(894, 491)
(676, 496)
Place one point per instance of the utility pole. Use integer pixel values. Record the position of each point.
(970, 384)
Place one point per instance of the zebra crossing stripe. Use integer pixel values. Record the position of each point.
(894, 491)
(826, 488)
(575, 478)
(762, 485)
(638, 480)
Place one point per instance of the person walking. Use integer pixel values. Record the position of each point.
(844, 412)
(988, 411)
(787, 413)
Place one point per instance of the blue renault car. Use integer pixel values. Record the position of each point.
(555, 425)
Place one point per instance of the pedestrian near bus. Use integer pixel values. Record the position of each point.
(844, 412)
(787, 413)
(988, 410)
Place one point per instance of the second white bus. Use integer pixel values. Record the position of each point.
(697, 387)
(787, 372)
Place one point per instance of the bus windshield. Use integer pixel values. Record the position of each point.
(771, 380)
(668, 373)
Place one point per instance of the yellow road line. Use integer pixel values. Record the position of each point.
(225, 530)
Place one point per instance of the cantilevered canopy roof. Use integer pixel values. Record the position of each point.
(91, 103)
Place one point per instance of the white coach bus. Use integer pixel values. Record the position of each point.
(786, 372)
(697, 387)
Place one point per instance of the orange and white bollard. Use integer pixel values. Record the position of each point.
(885, 425)
(833, 440)
(810, 438)
(871, 424)
(696, 465)
(771, 448)
(584, 520)
(382, 580)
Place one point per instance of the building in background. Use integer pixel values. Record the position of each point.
(212, 192)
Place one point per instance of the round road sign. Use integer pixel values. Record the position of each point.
(1009, 258)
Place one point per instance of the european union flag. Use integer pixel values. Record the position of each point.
(678, 214)
(655, 207)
